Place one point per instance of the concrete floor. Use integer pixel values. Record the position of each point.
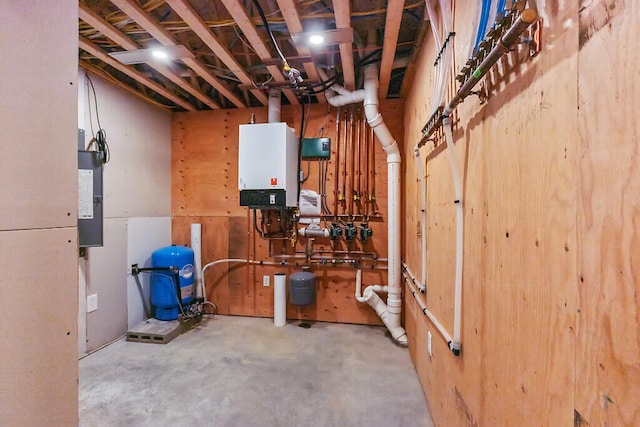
(237, 371)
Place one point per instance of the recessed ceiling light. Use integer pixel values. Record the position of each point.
(326, 37)
(159, 54)
(139, 56)
(316, 39)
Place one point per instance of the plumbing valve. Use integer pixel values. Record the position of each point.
(335, 232)
(350, 232)
(365, 232)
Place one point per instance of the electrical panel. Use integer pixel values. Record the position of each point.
(268, 166)
(316, 148)
(89, 199)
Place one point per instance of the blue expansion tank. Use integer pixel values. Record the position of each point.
(163, 287)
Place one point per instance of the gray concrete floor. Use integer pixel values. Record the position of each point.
(238, 371)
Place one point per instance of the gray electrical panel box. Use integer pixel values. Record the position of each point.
(89, 199)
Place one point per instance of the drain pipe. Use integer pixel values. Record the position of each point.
(390, 312)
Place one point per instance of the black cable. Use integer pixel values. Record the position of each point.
(273, 39)
(100, 138)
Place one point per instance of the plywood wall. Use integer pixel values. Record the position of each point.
(608, 287)
(38, 211)
(205, 190)
(550, 331)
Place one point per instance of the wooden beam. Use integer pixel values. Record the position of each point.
(294, 24)
(391, 29)
(239, 14)
(150, 25)
(102, 73)
(94, 50)
(200, 28)
(97, 22)
(342, 11)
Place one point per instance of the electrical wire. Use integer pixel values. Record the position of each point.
(99, 138)
(285, 64)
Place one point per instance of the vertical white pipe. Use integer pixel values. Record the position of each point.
(274, 106)
(422, 178)
(394, 298)
(391, 311)
(457, 184)
(279, 299)
(196, 245)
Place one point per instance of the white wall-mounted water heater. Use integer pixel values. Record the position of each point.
(268, 166)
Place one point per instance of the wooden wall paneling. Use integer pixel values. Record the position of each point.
(205, 161)
(518, 156)
(608, 355)
(204, 172)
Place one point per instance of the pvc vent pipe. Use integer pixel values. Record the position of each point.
(390, 312)
(274, 106)
(279, 300)
(196, 245)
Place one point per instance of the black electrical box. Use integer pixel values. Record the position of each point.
(90, 199)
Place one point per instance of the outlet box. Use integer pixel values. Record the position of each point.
(266, 281)
(92, 303)
(429, 348)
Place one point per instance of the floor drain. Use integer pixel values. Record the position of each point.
(304, 325)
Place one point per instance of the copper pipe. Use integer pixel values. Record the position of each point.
(367, 144)
(372, 195)
(345, 150)
(361, 144)
(336, 174)
(352, 163)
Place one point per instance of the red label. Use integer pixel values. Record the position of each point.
(274, 181)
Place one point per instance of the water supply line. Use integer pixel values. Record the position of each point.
(391, 312)
(410, 281)
(503, 45)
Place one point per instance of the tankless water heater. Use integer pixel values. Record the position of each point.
(268, 166)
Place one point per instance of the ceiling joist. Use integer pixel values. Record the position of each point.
(200, 28)
(109, 31)
(239, 14)
(392, 22)
(102, 73)
(149, 24)
(342, 12)
(97, 52)
(294, 24)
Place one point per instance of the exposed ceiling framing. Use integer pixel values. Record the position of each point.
(234, 62)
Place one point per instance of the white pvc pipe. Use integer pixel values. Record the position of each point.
(390, 312)
(422, 178)
(313, 232)
(275, 106)
(196, 245)
(427, 313)
(364, 296)
(457, 184)
(279, 299)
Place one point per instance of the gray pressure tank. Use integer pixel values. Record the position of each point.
(302, 288)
